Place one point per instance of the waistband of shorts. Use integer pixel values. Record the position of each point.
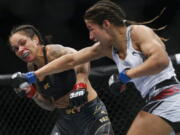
(171, 81)
(70, 110)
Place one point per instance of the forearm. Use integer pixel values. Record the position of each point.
(43, 102)
(69, 61)
(61, 64)
(153, 65)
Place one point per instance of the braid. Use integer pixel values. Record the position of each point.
(107, 10)
(147, 22)
(150, 21)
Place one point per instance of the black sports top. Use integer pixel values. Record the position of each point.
(57, 85)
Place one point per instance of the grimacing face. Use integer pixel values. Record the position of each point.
(23, 46)
(99, 33)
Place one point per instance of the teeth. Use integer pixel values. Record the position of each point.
(25, 55)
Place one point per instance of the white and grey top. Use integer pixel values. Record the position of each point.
(135, 58)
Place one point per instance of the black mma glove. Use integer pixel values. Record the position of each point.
(21, 83)
(118, 83)
(28, 91)
(78, 96)
(18, 80)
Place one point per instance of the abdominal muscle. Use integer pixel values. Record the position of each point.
(63, 102)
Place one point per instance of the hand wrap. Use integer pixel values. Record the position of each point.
(79, 94)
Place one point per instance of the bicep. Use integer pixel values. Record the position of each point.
(151, 45)
(153, 49)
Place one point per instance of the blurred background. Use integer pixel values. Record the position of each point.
(63, 21)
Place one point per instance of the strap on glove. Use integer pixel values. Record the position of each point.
(79, 94)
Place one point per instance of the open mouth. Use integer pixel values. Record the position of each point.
(25, 54)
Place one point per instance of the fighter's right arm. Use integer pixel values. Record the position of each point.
(43, 102)
(68, 61)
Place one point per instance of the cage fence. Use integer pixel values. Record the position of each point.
(21, 116)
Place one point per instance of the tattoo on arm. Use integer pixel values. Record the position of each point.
(56, 51)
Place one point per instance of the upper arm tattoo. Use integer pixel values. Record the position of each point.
(59, 50)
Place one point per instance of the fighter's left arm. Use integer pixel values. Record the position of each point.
(82, 70)
(153, 48)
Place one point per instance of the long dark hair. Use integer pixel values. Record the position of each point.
(108, 10)
(103, 10)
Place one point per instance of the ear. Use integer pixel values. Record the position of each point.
(106, 24)
(36, 39)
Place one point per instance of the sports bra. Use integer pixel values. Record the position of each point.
(57, 85)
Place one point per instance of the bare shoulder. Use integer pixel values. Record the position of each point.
(141, 30)
(145, 39)
(56, 50)
(141, 33)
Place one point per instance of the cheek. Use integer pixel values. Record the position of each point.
(17, 54)
(104, 36)
(108, 36)
(31, 46)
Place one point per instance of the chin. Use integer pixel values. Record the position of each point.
(27, 60)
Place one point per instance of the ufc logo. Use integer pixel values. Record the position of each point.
(76, 94)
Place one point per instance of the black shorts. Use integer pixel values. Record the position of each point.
(91, 120)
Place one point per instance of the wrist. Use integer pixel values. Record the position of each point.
(79, 85)
(31, 77)
(123, 77)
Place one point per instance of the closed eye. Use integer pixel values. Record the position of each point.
(22, 42)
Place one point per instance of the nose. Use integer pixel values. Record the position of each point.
(20, 49)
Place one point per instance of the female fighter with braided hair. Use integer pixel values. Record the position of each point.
(141, 58)
(80, 111)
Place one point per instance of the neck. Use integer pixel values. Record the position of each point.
(120, 40)
(39, 60)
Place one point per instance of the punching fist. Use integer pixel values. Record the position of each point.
(28, 91)
(78, 96)
(117, 82)
(21, 82)
(115, 85)
(17, 79)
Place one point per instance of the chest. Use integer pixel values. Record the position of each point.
(132, 59)
(57, 85)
